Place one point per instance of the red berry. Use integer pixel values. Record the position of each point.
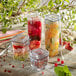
(5, 70)
(4, 60)
(42, 73)
(68, 47)
(55, 64)
(64, 43)
(58, 59)
(13, 66)
(62, 62)
(22, 65)
(9, 71)
(9, 64)
(60, 41)
(1, 65)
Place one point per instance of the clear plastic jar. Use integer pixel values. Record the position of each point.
(20, 44)
(39, 58)
(34, 30)
(52, 34)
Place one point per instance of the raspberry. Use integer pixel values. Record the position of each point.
(13, 66)
(62, 62)
(55, 64)
(9, 71)
(5, 70)
(58, 59)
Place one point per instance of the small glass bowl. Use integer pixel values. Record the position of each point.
(39, 58)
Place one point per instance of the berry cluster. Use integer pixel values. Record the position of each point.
(3, 59)
(67, 45)
(61, 61)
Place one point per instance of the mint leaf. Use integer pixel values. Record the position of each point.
(62, 71)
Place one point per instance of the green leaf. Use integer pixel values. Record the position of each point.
(62, 71)
(1, 6)
(67, 1)
(75, 26)
(4, 30)
(51, 4)
(24, 24)
(10, 13)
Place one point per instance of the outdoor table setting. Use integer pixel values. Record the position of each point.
(29, 54)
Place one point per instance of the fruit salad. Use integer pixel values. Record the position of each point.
(20, 46)
(20, 52)
(52, 37)
(34, 32)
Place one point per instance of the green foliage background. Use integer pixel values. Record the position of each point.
(10, 9)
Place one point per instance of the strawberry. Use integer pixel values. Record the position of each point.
(68, 47)
(64, 43)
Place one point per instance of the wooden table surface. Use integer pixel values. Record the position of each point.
(7, 62)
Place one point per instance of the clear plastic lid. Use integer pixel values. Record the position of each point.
(39, 53)
(33, 16)
(52, 17)
(20, 38)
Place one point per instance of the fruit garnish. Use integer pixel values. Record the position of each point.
(55, 64)
(64, 43)
(68, 47)
(58, 59)
(62, 62)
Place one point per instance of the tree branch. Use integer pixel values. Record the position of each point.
(21, 6)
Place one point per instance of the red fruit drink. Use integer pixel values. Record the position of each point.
(34, 32)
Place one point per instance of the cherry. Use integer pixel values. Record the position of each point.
(55, 64)
(58, 59)
(62, 62)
